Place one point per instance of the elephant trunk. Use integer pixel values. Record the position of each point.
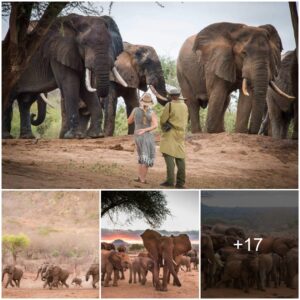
(170, 263)
(156, 79)
(3, 274)
(260, 86)
(101, 72)
(38, 273)
(42, 108)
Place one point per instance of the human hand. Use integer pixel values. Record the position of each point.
(141, 131)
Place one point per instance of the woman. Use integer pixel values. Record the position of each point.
(145, 121)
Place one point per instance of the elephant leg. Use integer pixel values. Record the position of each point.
(64, 120)
(295, 118)
(94, 282)
(110, 110)
(243, 113)
(65, 284)
(116, 276)
(68, 82)
(131, 101)
(165, 278)
(143, 276)
(217, 100)
(107, 278)
(25, 103)
(94, 107)
(156, 275)
(6, 122)
(194, 109)
(84, 118)
(276, 118)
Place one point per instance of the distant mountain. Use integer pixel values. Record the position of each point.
(262, 219)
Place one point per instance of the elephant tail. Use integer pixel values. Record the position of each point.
(42, 108)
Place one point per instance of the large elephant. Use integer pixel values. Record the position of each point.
(113, 262)
(94, 272)
(163, 251)
(222, 58)
(55, 275)
(76, 56)
(292, 268)
(278, 245)
(14, 275)
(281, 110)
(227, 230)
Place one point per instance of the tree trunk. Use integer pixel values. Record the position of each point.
(294, 16)
(19, 46)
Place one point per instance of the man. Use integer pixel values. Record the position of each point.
(172, 141)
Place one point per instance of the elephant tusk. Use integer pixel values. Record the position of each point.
(155, 92)
(280, 92)
(244, 87)
(119, 77)
(44, 98)
(88, 81)
(174, 262)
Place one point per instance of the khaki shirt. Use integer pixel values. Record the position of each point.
(172, 142)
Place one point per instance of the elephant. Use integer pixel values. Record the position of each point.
(107, 246)
(183, 260)
(193, 254)
(140, 267)
(233, 231)
(78, 281)
(14, 275)
(42, 270)
(279, 245)
(140, 67)
(77, 56)
(163, 250)
(292, 268)
(277, 269)
(265, 265)
(121, 248)
(55, 275)
(280, 110)
(222, 58)
(94, 272)
(241, 268)
(113, 262)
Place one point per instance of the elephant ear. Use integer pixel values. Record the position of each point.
(62, 44)
(115, 260)
(215, 47)
(125, 67)
(276, 48)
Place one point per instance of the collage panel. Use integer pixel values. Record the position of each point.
(249, 244)
(150, 244)
(50, 244)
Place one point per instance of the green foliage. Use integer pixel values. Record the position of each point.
(148, 205)
(15, 243)
(121, 127)
(55, 253)
(136, 247)
(169, 68)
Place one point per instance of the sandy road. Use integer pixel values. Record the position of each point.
(213, 161)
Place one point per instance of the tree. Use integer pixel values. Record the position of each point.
(294, 17)
(151, 205)
(15, 244)
(22, 41)
(169, 68)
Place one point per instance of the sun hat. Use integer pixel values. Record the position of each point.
(146, 99)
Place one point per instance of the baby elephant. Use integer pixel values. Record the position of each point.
(14, 275)
(77, 281)
(141, 266)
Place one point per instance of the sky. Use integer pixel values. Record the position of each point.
(167, 28)
(250, 198)
(184, 207)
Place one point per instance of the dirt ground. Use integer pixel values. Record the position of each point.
(189, 288)
(34, 289)
(213, 161)
(281, 292)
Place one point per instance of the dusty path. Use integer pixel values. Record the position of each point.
(213, 161)
(46, 293)
(281, 292)
(189, 288)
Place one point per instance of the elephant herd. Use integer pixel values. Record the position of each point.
(86, 58)
(52, 276)
(271, 263)
(171, 253)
